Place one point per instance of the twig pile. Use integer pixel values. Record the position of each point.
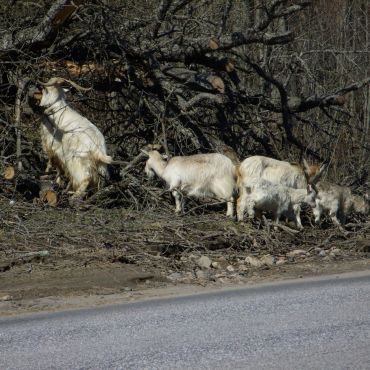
(90, 234)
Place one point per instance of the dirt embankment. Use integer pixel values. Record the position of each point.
(54, 258)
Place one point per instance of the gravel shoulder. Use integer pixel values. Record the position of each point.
(102, 285)
(56, 259)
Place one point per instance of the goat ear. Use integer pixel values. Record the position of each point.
(323, 167)
(317, 176)
(157, 146)
(145, 152)
(66, 89)
(305, 165)
(311, 188)
(154, 146)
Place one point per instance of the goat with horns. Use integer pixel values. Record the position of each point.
(74, 145)
(256, 168)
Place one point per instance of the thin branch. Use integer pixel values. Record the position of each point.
(58, 13)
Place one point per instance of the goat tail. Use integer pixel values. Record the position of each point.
(238, 176)
(101, 157)
(238, 180)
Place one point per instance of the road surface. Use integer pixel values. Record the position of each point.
(310, 324)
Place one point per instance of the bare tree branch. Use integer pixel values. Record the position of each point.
(58, 13)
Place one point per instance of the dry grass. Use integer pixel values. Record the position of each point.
(80, 236)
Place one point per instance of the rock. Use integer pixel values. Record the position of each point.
(280, 261)
(6, 298)
(253, 261)
(230, 268)
(202, 275)
(189, 277)
(322, 253)
(335, 252)
(222, 262)
(36, 254)
(175, 277)
(242, 268)
(188, 280)
(296, 253)
(216, 265)
(204, 262)
(268, 260)
(364, 245)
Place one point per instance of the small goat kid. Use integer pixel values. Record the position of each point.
(75, 146)
(256, 168)
(197, 175)
(279, 199)
(339, 202)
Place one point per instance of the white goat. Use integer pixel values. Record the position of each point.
(75, 146)
(197, 175)
(292, 175)
(278, 199)
(339, 202)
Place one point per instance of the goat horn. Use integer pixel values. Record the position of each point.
(76, 86)
(52, 81)
(145, 152)
(59, 80)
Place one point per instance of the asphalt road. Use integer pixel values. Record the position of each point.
(321, 324)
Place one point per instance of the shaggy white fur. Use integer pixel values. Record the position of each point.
(256, 168)
(279, 199)
(200, 175)
(338, 201)
(75, 146)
